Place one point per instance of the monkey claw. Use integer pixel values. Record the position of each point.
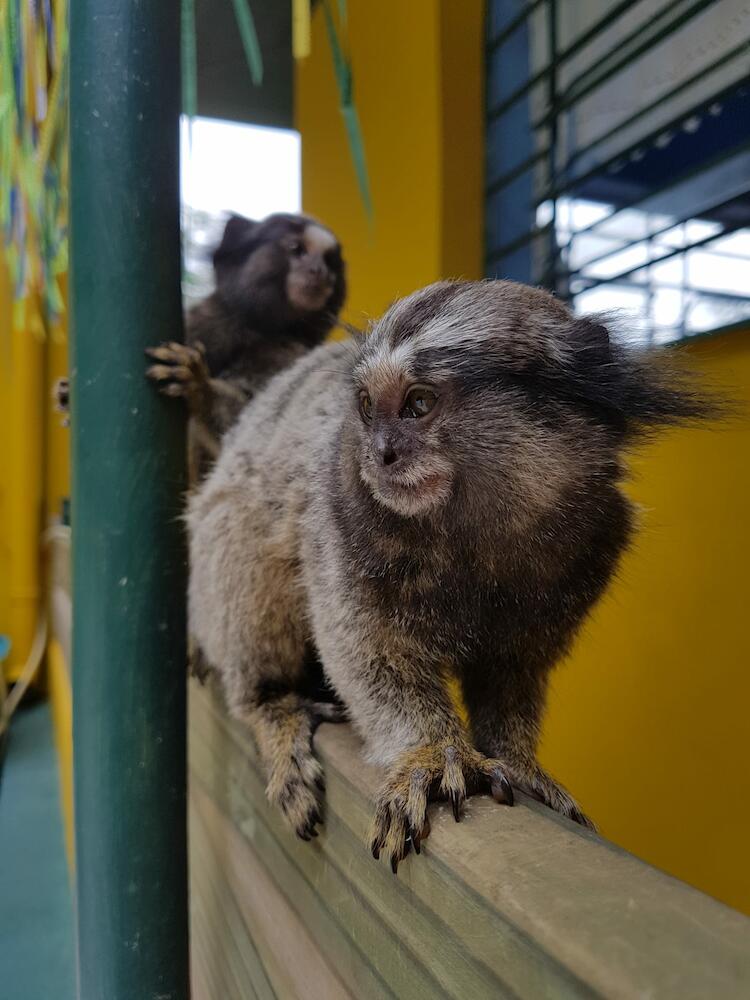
(437, 771)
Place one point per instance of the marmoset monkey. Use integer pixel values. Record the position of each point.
(439, 498)
(280, 285)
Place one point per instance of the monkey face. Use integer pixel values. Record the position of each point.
(285, 269)
(465, 391)
(402, 459)
(313, 264)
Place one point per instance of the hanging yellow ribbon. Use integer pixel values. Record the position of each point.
(301, 29)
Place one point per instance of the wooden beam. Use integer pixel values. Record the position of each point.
(510, 902)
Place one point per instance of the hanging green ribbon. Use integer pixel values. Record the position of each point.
(250, 43)
(34, 157)
(343, 72)
(248, 35)
(189, 52)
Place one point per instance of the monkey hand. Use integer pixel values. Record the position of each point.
(181, 371)
(449, 769)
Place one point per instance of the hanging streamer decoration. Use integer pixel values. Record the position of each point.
(301, 48)
(189, 50)
(344, 81)
(34, 156)
(250, 43)
(301, 16)
(189, 54)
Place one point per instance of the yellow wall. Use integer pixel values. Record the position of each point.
(413, 138)
(647, 720)
(36, 464)
(5, 389)
(35, 477)
(22, 488)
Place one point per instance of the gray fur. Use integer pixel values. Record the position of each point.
(476, 552)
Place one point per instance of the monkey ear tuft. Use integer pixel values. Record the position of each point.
(590, 337)
(637, 389)
(238, 233)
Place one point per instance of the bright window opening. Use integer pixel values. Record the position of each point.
(229, 167)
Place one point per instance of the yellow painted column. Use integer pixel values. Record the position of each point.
(6, 315)
(23, 486)
(61, 702)
(461, 57)
(417, 71)
(57, 436)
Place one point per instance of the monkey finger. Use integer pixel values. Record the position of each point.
(182, 373)
(172, 389)
(407, 846)
(416, 801)
(453, 783)
(500, 787)
(314, 820)
(582, 819)
(456, 800)
(161, 372)
(300, 806)
(532, 793)
(174, 353)
(160, 353)
(396, 840)
(309, 770)
(415, 838)
(379, 829)
(397, 825)
(418, 835)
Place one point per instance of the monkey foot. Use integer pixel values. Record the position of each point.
(181, 371)
(449, 769)
(296, 778)
(300, 806)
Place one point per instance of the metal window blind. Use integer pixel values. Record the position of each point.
(618, 157)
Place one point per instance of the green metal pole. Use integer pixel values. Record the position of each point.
(128, 481)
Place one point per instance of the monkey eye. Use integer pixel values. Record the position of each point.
(419, 401)
(365, 407)
(296, 248)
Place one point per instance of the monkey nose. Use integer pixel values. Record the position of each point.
(386, 449)
(386, 452)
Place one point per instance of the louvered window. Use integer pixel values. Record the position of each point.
(618, 157)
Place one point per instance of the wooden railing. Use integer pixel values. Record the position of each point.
(508, 903)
